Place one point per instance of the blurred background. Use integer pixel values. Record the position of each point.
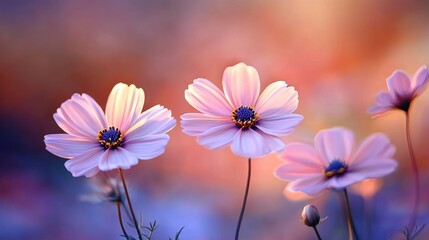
(336, 53)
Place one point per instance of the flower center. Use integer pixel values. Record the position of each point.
(110, 137)
(244, 117)
(335, 168)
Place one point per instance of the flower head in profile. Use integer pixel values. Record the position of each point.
(333, 162)
(240, 116)
(96, 141)
(401, 91)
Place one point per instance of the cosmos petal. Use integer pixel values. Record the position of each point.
(68, 146)
(277, 98)
(399, 85)
(420, 80)
(194, 124)
(116, 158)
(79, 117)
(207, 98)
(378, 168)
(334, 144)
(311, 184)
(148, 147)
(156, 120)
(217, 137)
(279, 125)
(374, 147)
(85, 164)
(124, 105)
(251, 143)
(241, 85)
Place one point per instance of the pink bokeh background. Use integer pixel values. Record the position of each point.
(337, 54)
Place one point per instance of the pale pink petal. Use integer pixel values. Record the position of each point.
(399, 85)
(124, 105)
(78, 117)
(374, 147)
(311, 185)
(156, 120)
(194, 124)
(68, 146)
(293, 171)
(147, 147)
(279, 125)
(89, 103)
(84, 164)
(241, 85)
(218, 136)
(303, 154)
(251, 143)
(117, 158)
(375, 169)
(378, 110)
(334, 144)
(384, 99)
(420, 80)
(340, 182)
(207, 98)
(277, 98)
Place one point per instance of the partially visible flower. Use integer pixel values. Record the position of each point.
(95, 141)
(107, 190)
(401, 91)
(240, 117)
(333, 162)
(310, 215)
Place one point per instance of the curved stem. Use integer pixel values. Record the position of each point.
(249, 169)
(317, 233)
(130, 205)
(350, 223)
(118, 205)
(416, 203)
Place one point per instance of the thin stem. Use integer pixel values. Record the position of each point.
(416, 203)
(317, 233)
(118, 205)
(249, 169)
(350, 223)
(130, 205)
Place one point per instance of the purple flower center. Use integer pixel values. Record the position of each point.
(110, 137)
(244, 117)
(335, 168)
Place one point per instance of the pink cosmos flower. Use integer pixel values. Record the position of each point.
(401, 91)
(240, 117)
(95, 141)
(333, 162)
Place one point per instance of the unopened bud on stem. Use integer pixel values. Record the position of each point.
(310, 215)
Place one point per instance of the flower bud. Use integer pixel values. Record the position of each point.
(310, 215)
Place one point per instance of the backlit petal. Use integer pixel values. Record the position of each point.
(420, 80)
(194, 124)
(124, 105)
(117, 158)
(251, 143)
(147, 147)
(279, 125)
(277, 98)
(68, 146)
(241, 85)
(85, 164)
(311, 185)
(207, 98)
(374, 147)
(334, 144)
(399, 85)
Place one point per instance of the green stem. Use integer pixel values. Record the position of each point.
(130, 205)
(249, 169)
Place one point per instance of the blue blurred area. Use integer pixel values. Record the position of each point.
(337, 54)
